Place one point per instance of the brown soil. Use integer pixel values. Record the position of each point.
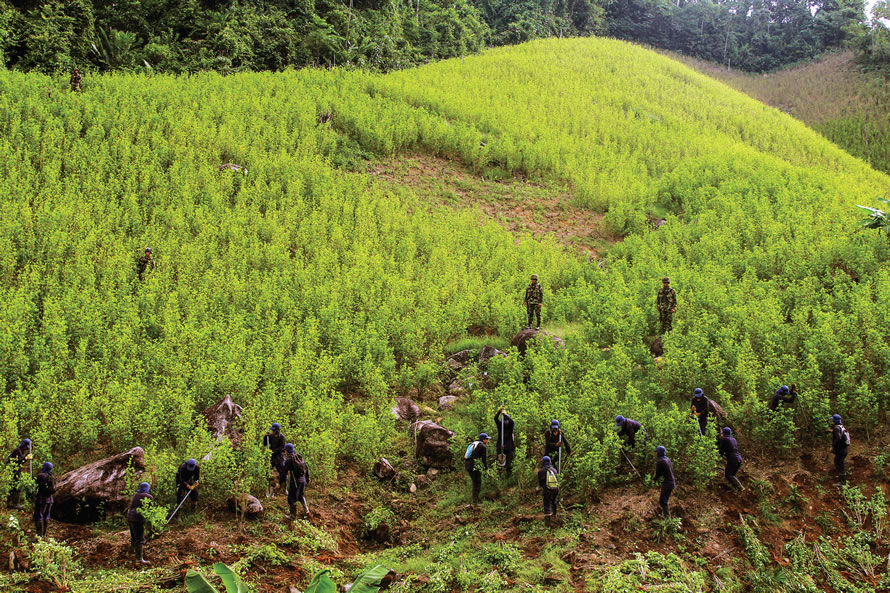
(614, 527)
(519, 205)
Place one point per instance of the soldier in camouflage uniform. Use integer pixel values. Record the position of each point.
(76, 81)
(666, 304)
(534, 297)
(144, 262)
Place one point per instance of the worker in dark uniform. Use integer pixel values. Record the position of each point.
(840, 445)
(664, 470)
(476, 452)
(506, 444)
(700, 409)
(297, 471)
(43, 501)
(187, 482)
(627, 429)
(728, 448)
(783, 394)
(275, 442)
(554, 441)
(548, 483)
(137, 521)
(19, 457)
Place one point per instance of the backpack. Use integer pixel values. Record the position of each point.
(551, 481)
(846, 436)
(301, 463)
(470, 448)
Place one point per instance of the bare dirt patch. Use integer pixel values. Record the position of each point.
(519, 205)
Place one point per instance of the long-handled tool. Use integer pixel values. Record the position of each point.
(559, 455)
(269, 480)
(184, 498)
(627, 459)
(502, 456)
(31, 460)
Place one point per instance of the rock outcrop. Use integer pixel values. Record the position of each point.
(252, 507)
(487, 353)
(90, 492)
(406, 409)
(223, 420)
(522, 339)
(446, 402)
(459, 360)
(657, 347)
(384, 470)
(433, 444)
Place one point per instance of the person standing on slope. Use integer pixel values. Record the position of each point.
(783, 394)
(534, 298)
(728, 448)
(548, 484)
(275, 442)
(476, 451)
(664, 470)
(506, 444)
(187, 477)
(76, 81)
(146, 261)
(840, 445)
(554, 441)
(43, 501)
(627, 430)
(17, 459)
(700, 409)
(297, 471)
(137, 521)
(666, 303)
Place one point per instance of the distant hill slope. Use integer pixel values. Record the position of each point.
(830, 94)
(608, 116)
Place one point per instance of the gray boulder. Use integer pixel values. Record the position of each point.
(433, 444)
(384, 470)
(657, 347)
(522, 339)
(89, 492)
(487, 353)
(459, 360)
(223, 420)
(251, 506)
(446, 402)
(405, 409)
(456, 388)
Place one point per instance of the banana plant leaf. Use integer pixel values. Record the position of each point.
(196, 583)
(877, 220)
(229, 578)
(322, 583)
(369, 581)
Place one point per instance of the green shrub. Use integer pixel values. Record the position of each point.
(54, 561)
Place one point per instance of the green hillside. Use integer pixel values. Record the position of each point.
(830, 94)
(314, 293)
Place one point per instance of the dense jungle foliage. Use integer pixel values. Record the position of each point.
(232, 35)
(748, 35)
(314, 293)
(872, 45)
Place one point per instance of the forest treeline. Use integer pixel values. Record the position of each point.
(232, 35)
